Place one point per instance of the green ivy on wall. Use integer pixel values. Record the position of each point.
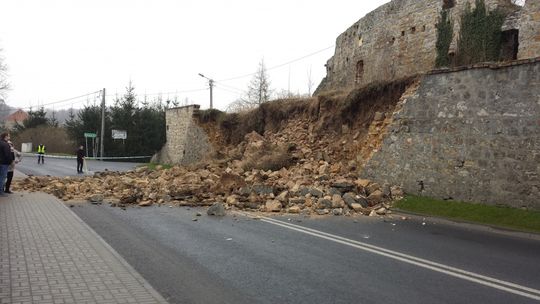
(480, 36)
(445, 33)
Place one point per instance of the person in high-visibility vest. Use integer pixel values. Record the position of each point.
(41, 153)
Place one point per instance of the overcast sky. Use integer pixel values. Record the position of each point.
(58, 49)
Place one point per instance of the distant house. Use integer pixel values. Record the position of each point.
(15, 118)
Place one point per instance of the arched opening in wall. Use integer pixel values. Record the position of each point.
(448, 4)
(452, 58)
(510, 45)
(359, 71)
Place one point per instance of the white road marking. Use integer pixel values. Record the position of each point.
(510, 287)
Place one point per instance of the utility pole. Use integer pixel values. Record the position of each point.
(101, 149)
(289, 83)
(211, 84)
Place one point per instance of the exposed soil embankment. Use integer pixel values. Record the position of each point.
(340, 126)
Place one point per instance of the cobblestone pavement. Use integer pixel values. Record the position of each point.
(49, 255)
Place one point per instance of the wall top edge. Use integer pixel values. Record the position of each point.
(484, 65)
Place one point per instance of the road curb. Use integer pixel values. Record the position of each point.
(469, 225)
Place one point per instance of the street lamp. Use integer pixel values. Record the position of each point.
(211, 84)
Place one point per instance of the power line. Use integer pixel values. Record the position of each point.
(222, 86)
(69, 99)
(279, 65)
(230, 91)
(165, 93)
(230, 87)
(61, 101)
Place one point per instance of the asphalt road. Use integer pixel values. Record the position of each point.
(237, 259)
(68, 167)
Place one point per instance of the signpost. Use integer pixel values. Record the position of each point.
(119, 134)
(93, 136)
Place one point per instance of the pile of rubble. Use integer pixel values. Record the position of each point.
(311, 185)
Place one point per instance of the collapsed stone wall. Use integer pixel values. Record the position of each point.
(398, 40)
(186, 143)
(471, 135)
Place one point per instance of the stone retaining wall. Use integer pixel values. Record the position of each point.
(471, 135)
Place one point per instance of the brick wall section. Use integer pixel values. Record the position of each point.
(397, 40)
(471, 135)
(529, 44)
(186, 142)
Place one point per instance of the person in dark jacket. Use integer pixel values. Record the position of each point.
(6, 158)
(80, 159)
(11, 169)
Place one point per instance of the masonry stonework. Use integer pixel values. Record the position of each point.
(397, 40)
(186, 143)
(471, 135)
(529, 45)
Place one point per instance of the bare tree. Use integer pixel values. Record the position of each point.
(258, 92)
(239, 105)
(259, 87)
(285, 94)
(4, 85)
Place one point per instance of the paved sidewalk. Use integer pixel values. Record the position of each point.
(49, 255)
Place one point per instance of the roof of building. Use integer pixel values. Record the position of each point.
(18, 115)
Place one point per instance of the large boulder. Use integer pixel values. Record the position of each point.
(375, 198)
(273, 206)
(216, 209)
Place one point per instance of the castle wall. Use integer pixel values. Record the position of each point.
(394, 41)
(186, 142)
(471, 135)
(529, 33)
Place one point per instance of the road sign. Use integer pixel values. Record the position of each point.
(90, 135)
(119, 134)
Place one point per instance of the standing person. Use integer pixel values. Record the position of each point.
(16, 155)
(41, 153)
(80, 159)
(5, 160)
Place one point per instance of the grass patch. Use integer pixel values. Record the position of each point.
(505, 217)
(153, 166)
(210, 115)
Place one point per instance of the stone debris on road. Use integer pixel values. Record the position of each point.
(267, 174)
